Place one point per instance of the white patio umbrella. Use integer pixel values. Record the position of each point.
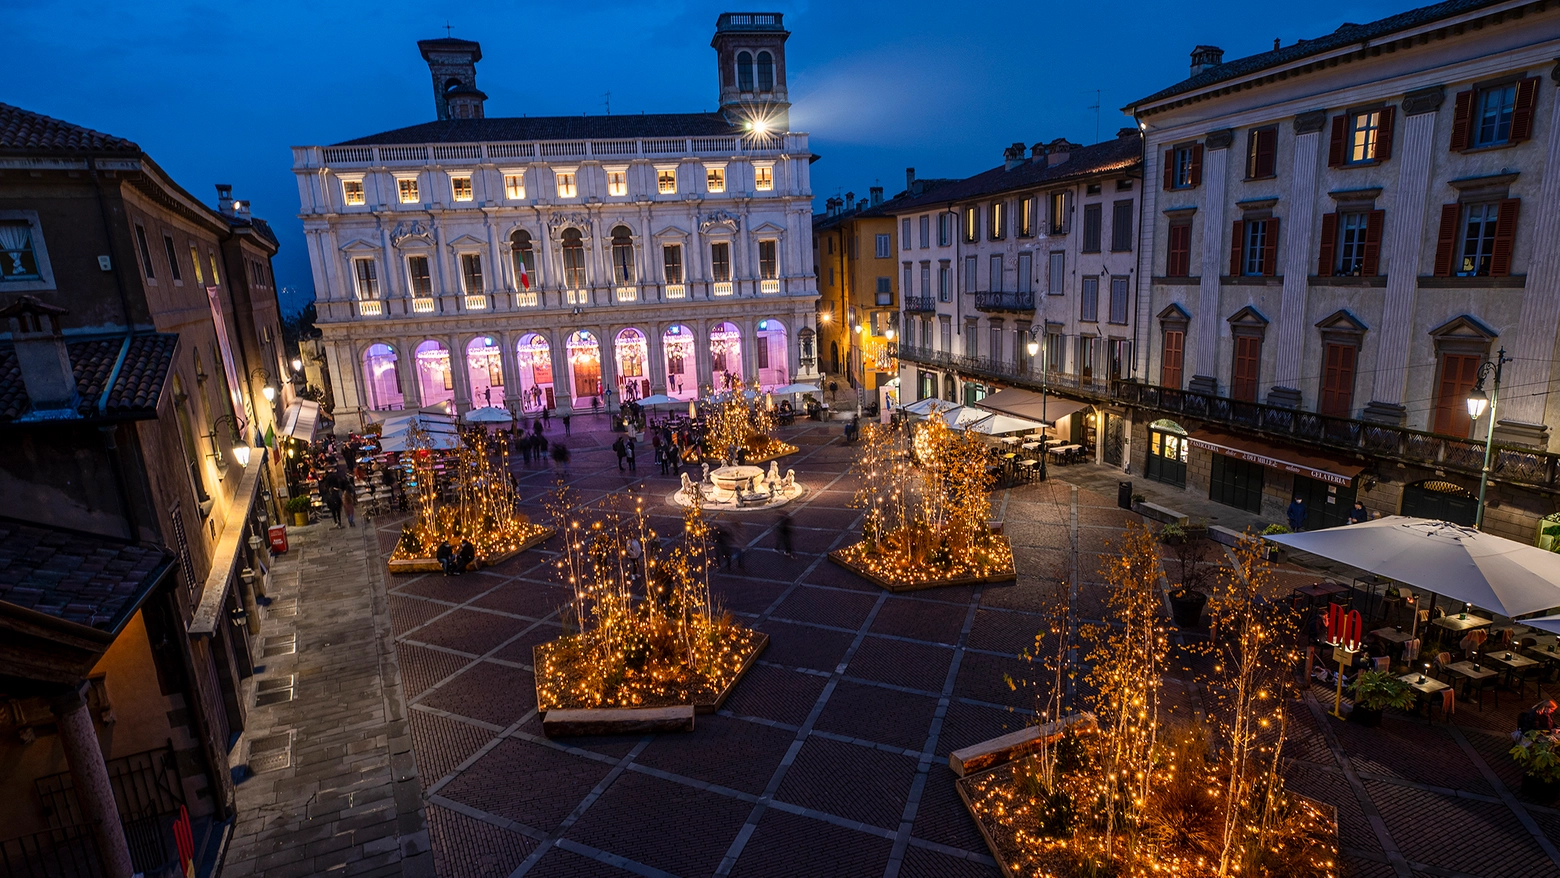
(996, 424)
(925, 407)
(488, 415)
(797, 388)
(961, 415)
(658, 399)
(1460, 563)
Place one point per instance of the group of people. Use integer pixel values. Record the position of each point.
(454, 560)
(1296, 513)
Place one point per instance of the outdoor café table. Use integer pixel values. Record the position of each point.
(1453, 623)
(1395, 636)
(1515, 664)
(1424, 684)
(1011, 440)
(1314, 592)
(1030, 446)
(1471, 674)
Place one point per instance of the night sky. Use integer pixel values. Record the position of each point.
(218, 92)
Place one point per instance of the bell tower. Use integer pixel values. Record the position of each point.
(750, 53)
(453, 64)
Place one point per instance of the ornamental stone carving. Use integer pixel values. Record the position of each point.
(1221, 139)
(1311, 122)
(1424, 100)
(560, 221)
(414, 229)
(720, 219)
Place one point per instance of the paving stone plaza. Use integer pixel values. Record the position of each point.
(829, 759)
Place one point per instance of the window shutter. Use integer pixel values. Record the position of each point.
(1236, 238)
(1446, 240)
(1384, 134)
(1522, 112)
(1505, 237)
(1270, 251)
(1169, 169)
(1324, 261)
(1267, 143)
(1462, 120)
(1373, 224)
(1196, 165)
(1340, 136)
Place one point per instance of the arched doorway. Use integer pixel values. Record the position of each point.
(726, 356)
(584, 367)
(1166, 453)
(533, 369)
(1443, 501)
(381, 379)
(773, 366)
(435, 382)
(682, 375)
(485, 372)
(633, 358)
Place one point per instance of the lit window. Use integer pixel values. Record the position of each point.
(367, 279)
(666, 181)
(720, 261)
(514, 186)
(971, 224)
(617, 182)
(566, 184)
(216, 279)
(471, 273)
(1351, 243)
(407, 186)
(763, 178)
(1026, 218)
(352, 191)
(768, 263)
(1364, 130)
(460, 188)
(671, 259)
(1478, 245)
(998, 212)
(195, 261)
(715, 179)
(417, 273)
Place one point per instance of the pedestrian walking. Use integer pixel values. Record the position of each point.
(330, 490)
(546, 420)
(628, 448)
(621, 450)
(723, 548)
(525, 449)
(1296, 514)
(566, 425)
(349, 500)
(783, 536)
(560, 456)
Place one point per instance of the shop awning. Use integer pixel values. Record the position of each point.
(224, 560)
(302, 416)
(1290, 460)
(1029, 404)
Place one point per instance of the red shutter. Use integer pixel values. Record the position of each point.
(1170, 359)
(1340, 137)
(1384, 134)
(1270, 251)
(1338, 381)
(1373, 224)
(1237, 239)
(1325, 259)
(1522, 113)
(1505, 237)
(1195, 172)
(1446, 240)
(1179, 261)
(1459, 373)
(1462, 120)
(1169, 169)
(1248, 353)
(1267, 142)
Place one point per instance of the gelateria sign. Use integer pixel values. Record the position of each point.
(1287, 459)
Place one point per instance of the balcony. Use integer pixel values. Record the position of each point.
(370, 308)
(770, 285)
(1514, 465)
(527, 299)
(423, 306)
(627, 294)
(675, 291)
(723, 288)
(920, 304)
(994, 301)
(476, 302)
(1093, 387)
(576, 297)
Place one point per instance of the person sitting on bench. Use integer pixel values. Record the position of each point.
(464, 556)
(445, 555)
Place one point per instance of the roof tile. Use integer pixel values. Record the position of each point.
(78, 577)
(136, 392)
(25, 130)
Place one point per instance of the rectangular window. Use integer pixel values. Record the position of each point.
(995, 351)
(996, 273)
(1026, 272)
(173, 259)
(1351, 243)
(720, 261)
(1092, 216)
(885, 291)
(715, 180)
(906, 277)
(1118, 351)
(1248, 359)
(971, 339)
(926, 280)
(1480, 222)
(471, 273)
(971, 225)
(367, 278)
(944, 282)
(195, 261)
(944, 229)
(763, 178)
(460, 188)
(514, 186)
(1058, 213)
(1171, 358)
(1121, 227)
(672, 263)
(1088, 353)
(1118, 300)
(666, 181)
(1089, 300)
(145, 251)
(216, 276)
(1337, 381)
(1261, 152)
(971, 278)
(1459, 374)
(1056, 283)
(926, 232)
(768, 260)
(418, 275)
(997, 227)
(1055, 351)
(947, 334)
(617, 183)
(904, 234)
(1364, 135)
(407, 189)
(1492, 115)
(1183, 166)
(1026, 217)
(884, 246)
(1178, 256)
(568, 185)
(352, 192)
(1257, 248)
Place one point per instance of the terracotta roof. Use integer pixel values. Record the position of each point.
(82, 578)
(1346, 35)
(24, 130)
(555, 128)
(134, 394)
(1120, 154)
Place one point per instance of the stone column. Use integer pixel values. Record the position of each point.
(1215, 231)
(701, 354)
(1297, 260)
(608, 347)
(506, 358)
(563, 376)
(89, 777)
(749, 328)
(655, 350)
(406, 371)
(459, 378)
(1404, 250)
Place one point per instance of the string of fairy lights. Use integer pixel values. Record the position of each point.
(743, 419)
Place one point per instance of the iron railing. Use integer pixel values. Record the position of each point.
(64, 852)
(995, 301)
(920, 304)
(147, 791)
(1090, 386)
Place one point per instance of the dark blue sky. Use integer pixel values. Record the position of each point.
(217, 92)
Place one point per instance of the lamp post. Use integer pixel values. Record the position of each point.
(1477, 403)
(240, 448)
(1035, 347)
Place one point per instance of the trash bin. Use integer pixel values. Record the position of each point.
(1124, 495)
(278, 536)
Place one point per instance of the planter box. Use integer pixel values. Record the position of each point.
(1187, 611)
(431, 565)
(979, 757)
(1161, 514)
(1224, 536)
(838, 557)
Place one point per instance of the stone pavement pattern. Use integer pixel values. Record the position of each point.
(831, 756)
(347, 801)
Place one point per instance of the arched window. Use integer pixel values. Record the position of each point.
(622, 256)
(451, 84)
(523, 255)
(766, 72)
(744, 71)
(573, 260)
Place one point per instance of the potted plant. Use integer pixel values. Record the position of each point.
(1192, 567)
(1374, 692)
(298, 508)
(1172, 534)
(1273, 551)
(1540, 763)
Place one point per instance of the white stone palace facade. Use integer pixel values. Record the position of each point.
(555, 261)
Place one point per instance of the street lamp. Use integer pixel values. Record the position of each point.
(240, 447)
(1035, 347)
(1478, 402)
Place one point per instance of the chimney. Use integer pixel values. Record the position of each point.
(910, 179)
(877, 195)
(1204, 57)
(861, 205)
(42, 359)
(1013, 156)
(1037, 152)
(1128, 131)
(850, 201)
(1057, 151)
(225, 198)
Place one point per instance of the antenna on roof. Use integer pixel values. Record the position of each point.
(1096, 108)
(608, 101)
